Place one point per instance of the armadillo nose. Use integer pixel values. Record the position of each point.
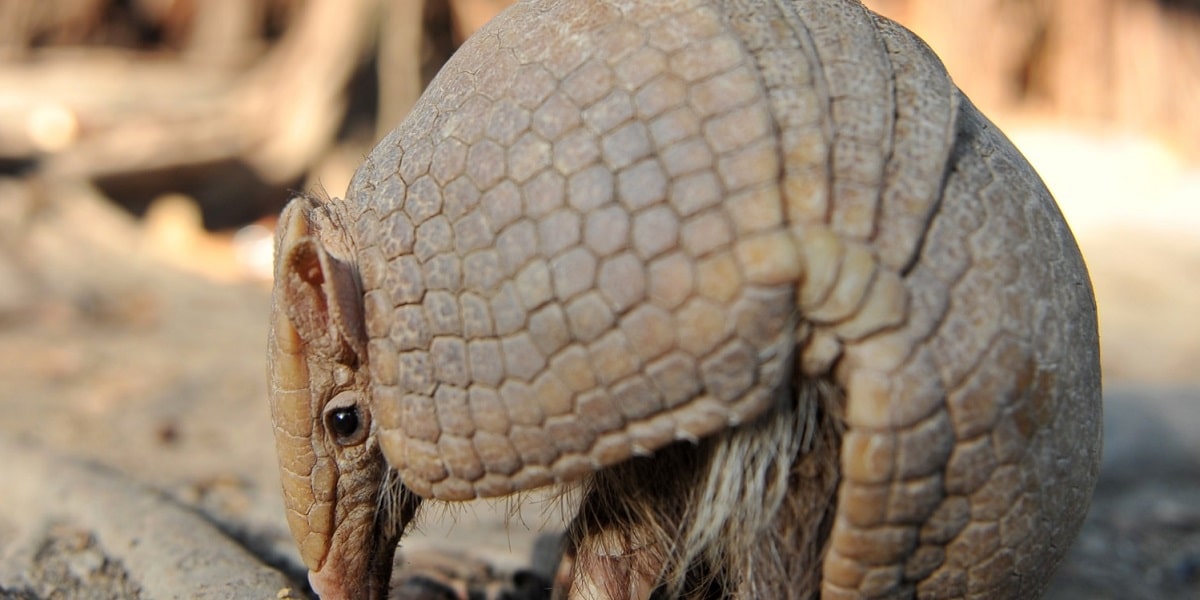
(336, 582)
(326, 585)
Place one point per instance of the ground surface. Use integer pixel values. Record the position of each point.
(136, 458)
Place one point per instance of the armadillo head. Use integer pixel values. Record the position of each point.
(344, 507)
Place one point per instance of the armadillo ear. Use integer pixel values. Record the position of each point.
(321, 296)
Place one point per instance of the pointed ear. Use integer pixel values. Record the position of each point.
(320, 294)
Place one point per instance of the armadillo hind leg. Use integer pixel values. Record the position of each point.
(611, 564)
(629, 515)
(732, 516)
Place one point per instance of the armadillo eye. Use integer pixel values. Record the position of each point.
(344, 422)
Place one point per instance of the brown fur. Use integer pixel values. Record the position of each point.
(744, 514)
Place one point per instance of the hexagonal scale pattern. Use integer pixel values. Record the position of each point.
(551, 208)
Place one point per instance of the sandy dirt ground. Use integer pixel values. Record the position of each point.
(136, 457)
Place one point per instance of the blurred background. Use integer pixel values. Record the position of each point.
(146, 147)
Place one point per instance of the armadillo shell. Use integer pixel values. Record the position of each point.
(609, 226)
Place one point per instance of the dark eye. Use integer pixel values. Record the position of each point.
(344, 422)
(347, 421)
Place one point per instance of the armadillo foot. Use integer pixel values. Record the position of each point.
(608, 564)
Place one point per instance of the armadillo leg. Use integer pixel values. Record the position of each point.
(743, 514)
(618, 544)
(608, 564)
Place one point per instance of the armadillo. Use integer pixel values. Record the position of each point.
(753, 277)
